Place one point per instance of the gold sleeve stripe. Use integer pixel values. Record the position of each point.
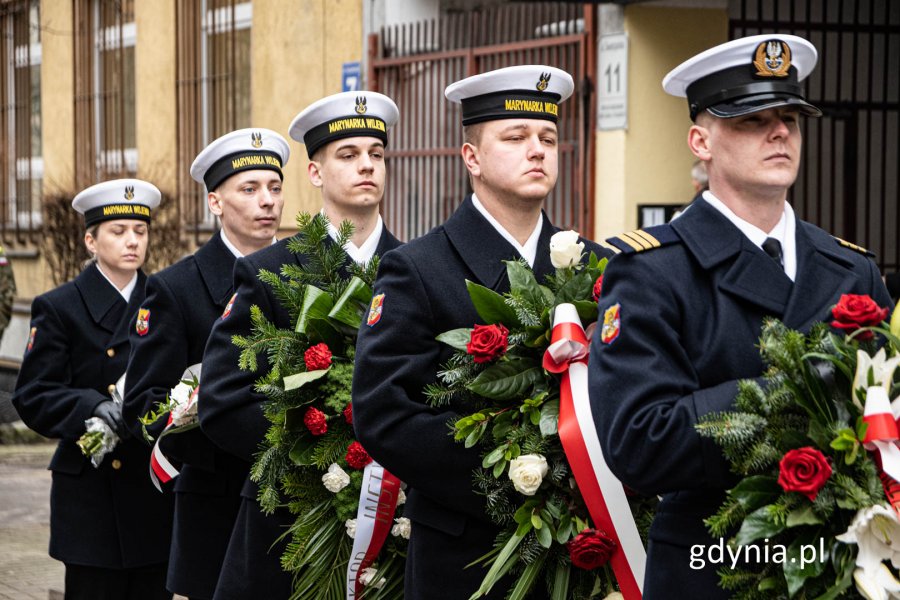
(609, 246)
(637, 245)
(642, 242)
(654, 243)
(851, 245)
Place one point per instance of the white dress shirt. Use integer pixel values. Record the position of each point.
(785, 231)
(529, 249)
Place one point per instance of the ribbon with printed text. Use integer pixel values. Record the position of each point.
(374, 519)
(603, 493)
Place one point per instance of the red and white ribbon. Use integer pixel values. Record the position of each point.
(883, 439)
(161, 470)
(603, 493)
(374, 519)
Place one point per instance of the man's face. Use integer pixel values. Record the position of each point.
(515, 158)
(350, 173)
(755, 153)
(249, 205)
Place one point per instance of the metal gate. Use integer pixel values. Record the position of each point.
(848, 182)
(413, 63)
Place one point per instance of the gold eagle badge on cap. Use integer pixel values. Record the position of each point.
(543, 82)
(772, 59)
(360, 105)
(129, 192)
(256, 139)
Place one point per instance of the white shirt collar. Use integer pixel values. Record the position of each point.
(364, 253)
(784, 231)
(237, 253)
(529, 249)
(125, 292)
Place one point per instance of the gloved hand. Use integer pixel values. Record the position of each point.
(111, 413)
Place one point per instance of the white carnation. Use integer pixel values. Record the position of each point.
(565, 249)
(527, 472)
(335, 479)
(402, 528)
(366, 577)
(351, 527)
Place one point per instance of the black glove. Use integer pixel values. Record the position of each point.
(111, 413)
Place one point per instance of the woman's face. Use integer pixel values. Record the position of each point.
(120, 246)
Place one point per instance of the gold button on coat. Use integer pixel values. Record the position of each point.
(111, 388)
(116, 464)
(111, 352)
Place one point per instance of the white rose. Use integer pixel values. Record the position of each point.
(565, 249)
(350, 524)
(402, 528)
(335, 479)
(180, 394)
(401, 499)
(366, 577)
(527, 472)
(185, 409)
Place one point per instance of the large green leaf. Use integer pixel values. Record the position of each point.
(549, 418)
(316, 305)
(579, 287)
(302, 450)
(560, 589)
(587, 311)
(758, 524)
(803, 516)
(491, 306)
(523, 284)
(807, 557)
(349, 308)
(292, 382)
(456, 338)
(756, 491)
(507, 379)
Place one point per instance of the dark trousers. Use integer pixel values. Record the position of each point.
(97, 583)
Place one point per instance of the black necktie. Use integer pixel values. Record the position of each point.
(772, 247)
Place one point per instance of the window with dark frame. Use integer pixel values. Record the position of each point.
(105, 140)
(21, 163)
(213, 90)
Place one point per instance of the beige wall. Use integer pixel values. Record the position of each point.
(650, 162)
(57, 90)
(154, 66)
(302, 45)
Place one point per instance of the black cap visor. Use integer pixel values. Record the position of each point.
(751, 104)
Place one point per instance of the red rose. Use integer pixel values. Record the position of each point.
(854, 311)
(318, 357)
(357, 457)
(804, 470)
(488, 342)
(316, 421)
(597, 287)
(591, 549)
(348, 414)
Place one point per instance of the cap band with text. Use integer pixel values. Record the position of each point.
(229, 165)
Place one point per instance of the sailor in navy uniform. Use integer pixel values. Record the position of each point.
(107, 524)
(242, 174)
(682, 305)
(347, 163)
(509, 119)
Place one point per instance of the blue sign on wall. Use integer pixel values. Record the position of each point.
(350, 79)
